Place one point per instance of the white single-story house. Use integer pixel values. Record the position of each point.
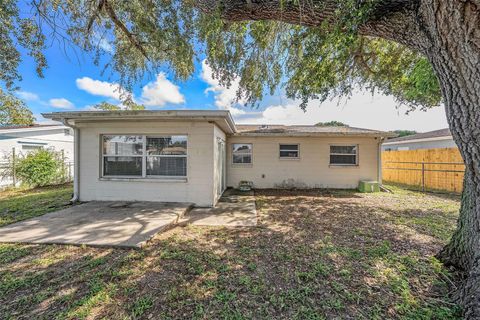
(23, 139)
(193, 156)
(20, 140)
(426, 140)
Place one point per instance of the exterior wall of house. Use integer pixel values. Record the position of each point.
(311, 170)
(25, 141)
(412, 145)
(220, 162)
(197, 187)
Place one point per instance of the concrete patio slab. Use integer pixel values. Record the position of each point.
(234, 209)
(98, 223)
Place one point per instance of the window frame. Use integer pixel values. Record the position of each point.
(357, 153)
(285, 157)
(251, 154)
(143, 156)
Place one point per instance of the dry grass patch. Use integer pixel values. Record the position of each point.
(315, 255)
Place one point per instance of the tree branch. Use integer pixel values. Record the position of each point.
(95, 15)
(111, 13)
(390, 19)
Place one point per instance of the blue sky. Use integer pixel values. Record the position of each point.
(74, 83)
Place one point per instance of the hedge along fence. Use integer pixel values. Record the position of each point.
(41, 167)
(426, 169)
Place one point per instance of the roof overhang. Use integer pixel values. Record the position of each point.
(221, 118)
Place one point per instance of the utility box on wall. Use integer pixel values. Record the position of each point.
(368, 186)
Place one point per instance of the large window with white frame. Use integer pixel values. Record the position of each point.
(144, 156)
(344, 155)
(242, 153)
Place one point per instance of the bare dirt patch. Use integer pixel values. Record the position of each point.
(314, 255)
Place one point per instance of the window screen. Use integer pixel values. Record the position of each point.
(142, 156)
(344, 155)
(167, 156)
(242, 153)
(289, 151)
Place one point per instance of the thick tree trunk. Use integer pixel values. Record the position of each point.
(454, 29)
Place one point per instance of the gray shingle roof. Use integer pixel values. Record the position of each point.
(425, 135)
(305, 130)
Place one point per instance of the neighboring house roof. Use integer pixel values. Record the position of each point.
(36, 127)
(222, 118)
(441, 134)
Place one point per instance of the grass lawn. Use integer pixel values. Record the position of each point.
(314, 255)
(21, 204)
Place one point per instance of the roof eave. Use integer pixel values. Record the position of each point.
(220, 117)
(314, 134)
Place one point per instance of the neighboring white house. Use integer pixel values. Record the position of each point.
(428, 140)
(23, 139)
(192, 156)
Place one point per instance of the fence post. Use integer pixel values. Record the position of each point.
(423, 176)
(14, 174)
(63, 166)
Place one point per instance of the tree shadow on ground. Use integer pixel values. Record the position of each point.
(313, 255)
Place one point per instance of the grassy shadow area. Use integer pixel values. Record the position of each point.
(317, 254)
(21, 204)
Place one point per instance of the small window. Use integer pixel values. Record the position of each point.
(344, 155)
(289, 151)
(242, 153)
(28, 147)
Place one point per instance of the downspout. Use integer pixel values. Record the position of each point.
(379, 160)
(76, 160)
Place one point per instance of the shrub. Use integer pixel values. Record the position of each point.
(40, 168)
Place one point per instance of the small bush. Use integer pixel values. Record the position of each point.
(40, 168)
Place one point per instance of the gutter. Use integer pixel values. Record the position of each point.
(76, 160)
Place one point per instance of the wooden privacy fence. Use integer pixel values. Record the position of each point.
(426, 169)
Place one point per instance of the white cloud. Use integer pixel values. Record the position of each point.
(225, 98)
(362, 110)
(102, 42)
(61, 103)
(160, 92)
(89, 107)
(101, 88)
(25, 95)
(39, 119)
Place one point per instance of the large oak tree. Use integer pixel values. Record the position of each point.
(421, 51)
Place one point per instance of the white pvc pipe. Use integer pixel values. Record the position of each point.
(76, 161)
